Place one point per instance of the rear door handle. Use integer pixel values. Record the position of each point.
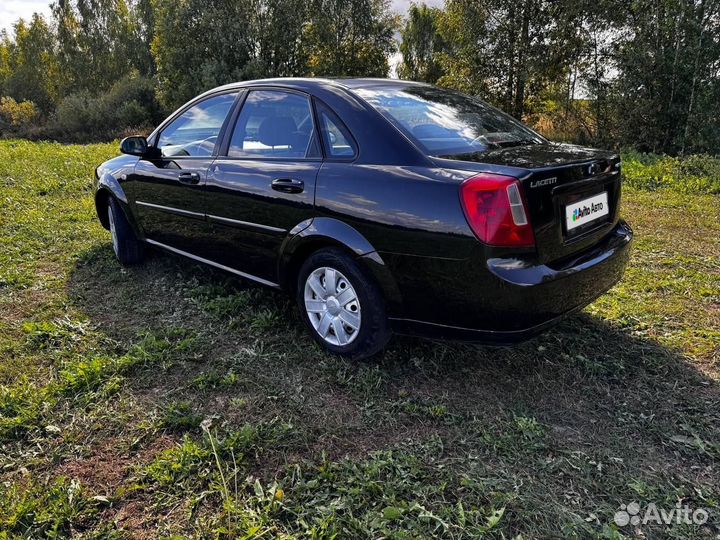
(288, 185)
(190, 178)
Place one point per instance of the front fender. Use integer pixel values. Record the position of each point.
(108, 183)
(111, 184)
(320, 232)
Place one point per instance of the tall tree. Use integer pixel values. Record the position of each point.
(668, 61)
(200, 44)
(100, 41)
(27, 63)
(349, 37)
(275, 37)
(591, 64)
(143, 15)
(421, 44)
(465, 62)
(507, 50)
(204, 43)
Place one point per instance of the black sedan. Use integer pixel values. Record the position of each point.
(380, 205)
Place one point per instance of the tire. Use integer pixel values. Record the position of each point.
(355, 301)
(128, 249)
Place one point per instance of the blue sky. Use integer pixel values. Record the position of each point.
(11, 10)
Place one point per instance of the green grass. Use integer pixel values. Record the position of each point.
(169, 400)
(690, 174)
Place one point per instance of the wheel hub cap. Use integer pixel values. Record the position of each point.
(332, 306)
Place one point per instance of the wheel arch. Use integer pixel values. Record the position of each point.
(325, 232)
(107, 187)
(102, 196)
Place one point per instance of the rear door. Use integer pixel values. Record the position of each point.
(263, 183)
(167, 188)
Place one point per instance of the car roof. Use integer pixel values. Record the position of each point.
(357, 82)
(308, 83)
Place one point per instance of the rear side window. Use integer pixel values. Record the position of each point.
(274, 124)
(194, 133)
(337, 141)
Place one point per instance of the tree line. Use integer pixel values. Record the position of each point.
(96, 67)
(640, 73)
(636, 73)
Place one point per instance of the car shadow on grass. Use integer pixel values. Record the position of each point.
(586, 406)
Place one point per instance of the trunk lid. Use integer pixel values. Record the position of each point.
(555, 177)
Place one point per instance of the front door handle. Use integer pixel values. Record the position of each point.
(288, 185)
(190, 178)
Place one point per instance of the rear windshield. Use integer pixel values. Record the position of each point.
(446, 123)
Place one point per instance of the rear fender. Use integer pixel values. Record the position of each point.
(317, 233)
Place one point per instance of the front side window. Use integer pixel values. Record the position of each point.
(446, 123)
(195, 132)
(274, 124)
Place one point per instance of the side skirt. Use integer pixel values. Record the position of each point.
(212, 263)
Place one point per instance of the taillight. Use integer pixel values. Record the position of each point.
(496, 211)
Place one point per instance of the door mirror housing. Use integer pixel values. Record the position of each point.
(134, 146)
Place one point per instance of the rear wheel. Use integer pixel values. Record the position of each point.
(342, 307)
(128, 249)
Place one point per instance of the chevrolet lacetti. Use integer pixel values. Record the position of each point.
(380, 205)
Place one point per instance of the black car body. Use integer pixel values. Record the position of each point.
(434, 229)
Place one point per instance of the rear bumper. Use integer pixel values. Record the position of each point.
(431, 330)
(515, 300)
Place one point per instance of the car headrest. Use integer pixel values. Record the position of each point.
(277, 131)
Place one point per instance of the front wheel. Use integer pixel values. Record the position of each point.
(342, 307)
(128, 249)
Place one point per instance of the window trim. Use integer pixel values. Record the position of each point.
(155, 136)
(223, 152)
(317, 103)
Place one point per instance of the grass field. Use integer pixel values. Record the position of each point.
(169, 400)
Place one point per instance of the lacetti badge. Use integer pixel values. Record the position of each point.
(544, 182)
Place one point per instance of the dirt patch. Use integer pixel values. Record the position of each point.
(105, 470)
(135, 518)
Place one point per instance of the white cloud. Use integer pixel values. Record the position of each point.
(402, 6)
(12, 10)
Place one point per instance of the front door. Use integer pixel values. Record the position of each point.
(166, 189)
(264, 184)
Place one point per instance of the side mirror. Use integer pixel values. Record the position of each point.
(135, 146)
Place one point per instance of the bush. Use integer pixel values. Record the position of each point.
(131, 102)
(574, 125)
(692, 174)
(17, 114)
(77, 113)
(129, 105)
